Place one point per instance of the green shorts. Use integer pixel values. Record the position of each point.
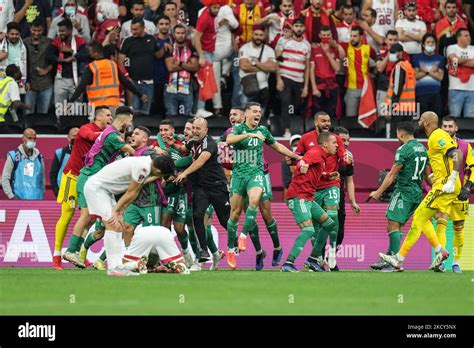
(149, 216)
(328, 197)
(81, 181)
(267, 194)
(399, 209)
(241, 186)
(177, 206)
(304, 210)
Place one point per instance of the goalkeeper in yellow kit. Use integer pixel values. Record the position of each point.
(460, 209)
(445, 159)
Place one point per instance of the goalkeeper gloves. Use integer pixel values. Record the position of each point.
(449, 186)
(465, 191)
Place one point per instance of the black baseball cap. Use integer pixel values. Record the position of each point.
(299, 21)
(396, 48)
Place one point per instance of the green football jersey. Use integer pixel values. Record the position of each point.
(175, 155)
(248, 153)
(111, 144)
(414, 158)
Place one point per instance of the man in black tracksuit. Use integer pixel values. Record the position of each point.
(207, 179)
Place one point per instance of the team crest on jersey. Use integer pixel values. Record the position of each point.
(441, 143)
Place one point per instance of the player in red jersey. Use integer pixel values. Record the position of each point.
(307, 213)
(67, 195)
(328, 194)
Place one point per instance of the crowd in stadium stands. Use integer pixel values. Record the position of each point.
(189, 57)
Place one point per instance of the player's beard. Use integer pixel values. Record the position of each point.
(420, 130)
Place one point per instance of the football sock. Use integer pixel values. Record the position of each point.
(395, 239)
(250, 219)
(90, 240)
(306, 233)
(272, 228)
(193, 241)
(112, 247)
(255, 238)
(231, 233)
(79, 242)
(210, 240)
(419, 224)
(73, 243)
(327, 227)
(103, 256)
(61, 227)
(333, 233)
(441, 225)
(183, 240)
(458, 242)
(118, 249)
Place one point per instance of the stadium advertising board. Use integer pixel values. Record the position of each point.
(27, 237)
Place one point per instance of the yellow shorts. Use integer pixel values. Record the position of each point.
(67, 190)
(459, 211)
(439, 200)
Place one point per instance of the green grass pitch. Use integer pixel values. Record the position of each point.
(90, 292)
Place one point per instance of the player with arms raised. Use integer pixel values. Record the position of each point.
(247, 178)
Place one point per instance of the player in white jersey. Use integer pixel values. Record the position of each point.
(387, 13)
(158, 240)
(126, 176)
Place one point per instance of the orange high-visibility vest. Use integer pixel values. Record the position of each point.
(105, 87)
(407, 102)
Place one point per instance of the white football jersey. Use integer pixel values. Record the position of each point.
(385, 16)
(116, 176)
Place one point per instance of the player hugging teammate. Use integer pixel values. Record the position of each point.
(180, 180)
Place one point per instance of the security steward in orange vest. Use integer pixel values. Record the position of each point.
(101, 80)
(400, 103)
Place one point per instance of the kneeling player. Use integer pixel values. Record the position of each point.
(154, 239)
(125, 176)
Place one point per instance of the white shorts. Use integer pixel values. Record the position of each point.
(151, 238)
(99, 201)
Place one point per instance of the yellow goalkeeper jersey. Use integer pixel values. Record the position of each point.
(440, 144)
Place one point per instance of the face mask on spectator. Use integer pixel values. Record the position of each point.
(293, 148)
(70, 11)
(393, 57)
(30, 144)
(429, 49)
(325, 40)
(100, 17)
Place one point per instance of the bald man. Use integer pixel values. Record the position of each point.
(445, 160)
(23, 175)
(207, 179)
(61, 156)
